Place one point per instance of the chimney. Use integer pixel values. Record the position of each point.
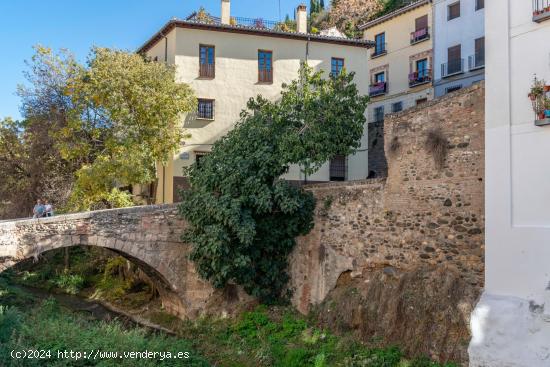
(226, 12)
(301, 19)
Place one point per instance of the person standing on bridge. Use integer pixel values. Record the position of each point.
(39, 209)
(48, 208)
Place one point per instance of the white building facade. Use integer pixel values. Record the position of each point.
(229, 60)
(458, 43)
(511, 323)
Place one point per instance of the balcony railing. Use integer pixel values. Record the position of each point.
(452, 67)
(207, 71)
(379, 50)
(476, 61)
(541, 10)
(420, 35)
(378, 89)
(420, 77)
(265, 76)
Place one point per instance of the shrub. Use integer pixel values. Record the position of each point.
(243, 219)
(70, 283)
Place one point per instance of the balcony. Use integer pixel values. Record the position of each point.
(379, 50)
(207, 71)
(452, 67)
(541, 10)
(420, 35)
(378, 89)
(420, 77)
(476, 61)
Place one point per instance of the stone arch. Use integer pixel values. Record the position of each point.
(148, 236)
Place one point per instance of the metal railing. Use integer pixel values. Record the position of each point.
(452, 67)
(420, 35)
(265, 75)
(204, 17)
(378, 89)
(541, 10)
(207, 71)
(476, 61)
(420, 77)
(379, 50)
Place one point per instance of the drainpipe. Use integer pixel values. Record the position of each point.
(164, 165)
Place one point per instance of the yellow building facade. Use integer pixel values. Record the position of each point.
(227, 61)
(401, 63)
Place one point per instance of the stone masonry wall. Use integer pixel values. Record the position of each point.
(420, 217)
(378, 165)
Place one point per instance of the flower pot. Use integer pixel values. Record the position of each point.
(541, 116)
(547, 113)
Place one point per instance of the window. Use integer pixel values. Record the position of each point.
(198, 157)
(380, 44)
(453, 11)
(207, 67)
(454, 60)
(338, 168)
(453, 88)
(422, 68)
(379, 114)
(421, 100)
(421, 23)
(336, 66)
(265, 66)
(206, 109)
(420, 30)
(396, 107)
(480, 4)
(380, 78)
(479, 56)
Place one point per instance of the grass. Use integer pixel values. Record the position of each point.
(47, 327)
(279, 337)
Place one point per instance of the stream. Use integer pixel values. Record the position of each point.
(93, 309)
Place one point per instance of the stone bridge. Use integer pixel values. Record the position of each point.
(149, 236)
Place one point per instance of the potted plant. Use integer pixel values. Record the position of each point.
(537, 89)
(547, 107)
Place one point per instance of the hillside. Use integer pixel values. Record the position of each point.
(347, 15)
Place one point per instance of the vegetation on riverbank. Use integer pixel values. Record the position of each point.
(266, 336)
(49, 328)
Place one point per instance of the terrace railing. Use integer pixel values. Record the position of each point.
(420, 35)
(378, 89)
(420, 77)
(541, 10)
(452, 67)
(207, 71)
(476, 61)
(379, 50)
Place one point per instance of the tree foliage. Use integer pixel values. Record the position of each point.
(102, 125)
(243, 217)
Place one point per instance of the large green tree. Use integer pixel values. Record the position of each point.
(108, 121)
(243, 217)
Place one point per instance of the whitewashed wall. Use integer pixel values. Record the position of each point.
(511, 323)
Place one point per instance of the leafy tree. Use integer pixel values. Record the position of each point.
(243, 217)
(111, 120)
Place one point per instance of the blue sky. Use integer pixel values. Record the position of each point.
(79, 24)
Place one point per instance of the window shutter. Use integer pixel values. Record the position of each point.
(421, 23)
